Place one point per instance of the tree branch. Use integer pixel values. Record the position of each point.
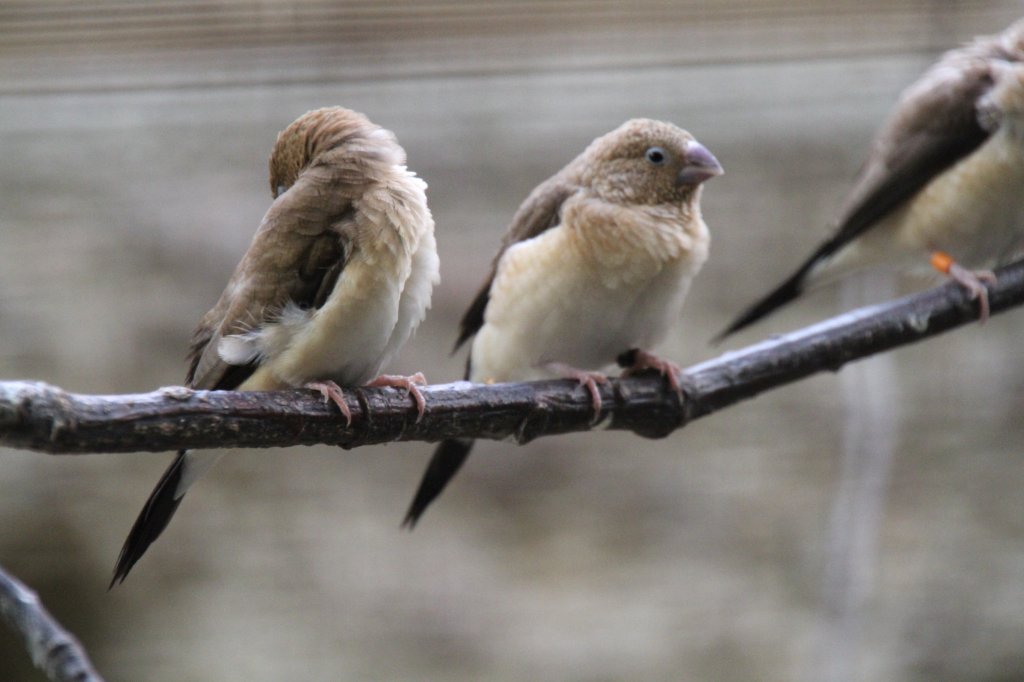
(37, 416)
(53, 649)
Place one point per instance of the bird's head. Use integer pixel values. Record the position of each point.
(1003, 104)
(317, 132)
(647, 162)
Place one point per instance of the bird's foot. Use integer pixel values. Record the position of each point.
(409, 383)
(587, 379)
(973, 281)
(333, 393)
(635, 361)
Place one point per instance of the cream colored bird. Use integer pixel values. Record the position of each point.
(597, 262)
(945, 179)
(337, 277)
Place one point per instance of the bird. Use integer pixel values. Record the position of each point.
(337, 277)
(943, 182)
(595, 264)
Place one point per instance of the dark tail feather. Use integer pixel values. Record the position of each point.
(445, 463)
(783, 294)
(791, 288)
(152, 521)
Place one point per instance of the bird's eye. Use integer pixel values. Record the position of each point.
(656, 155)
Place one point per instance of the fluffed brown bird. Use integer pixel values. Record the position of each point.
(337, 277)
(597, 261)
(945, 177)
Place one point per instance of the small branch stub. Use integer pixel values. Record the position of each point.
(53, 649)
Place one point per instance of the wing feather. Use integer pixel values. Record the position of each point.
(539, 212)
(297, 256)
(934, 126)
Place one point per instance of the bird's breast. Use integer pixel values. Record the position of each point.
(557, 298)
(344, 339)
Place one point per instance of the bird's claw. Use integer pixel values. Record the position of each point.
(640, 360)
(974, 282)
(971, 280)
(588, 380)
(332, 393)
(410, 384)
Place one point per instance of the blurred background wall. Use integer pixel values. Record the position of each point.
(133, 147)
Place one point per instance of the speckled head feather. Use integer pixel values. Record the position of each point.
(1004, 103)
(321, 130)
(642, 162)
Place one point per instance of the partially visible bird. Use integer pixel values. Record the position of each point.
(945, 178)
(597, 262)
(337, 277)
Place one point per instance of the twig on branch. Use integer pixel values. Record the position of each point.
(53, 649)
(37, 416)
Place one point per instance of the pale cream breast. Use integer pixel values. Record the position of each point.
(564, 297)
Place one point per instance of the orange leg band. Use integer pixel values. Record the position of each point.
(942, 261)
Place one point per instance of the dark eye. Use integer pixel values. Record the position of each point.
(656, 155)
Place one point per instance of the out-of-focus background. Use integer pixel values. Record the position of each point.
(861, 526)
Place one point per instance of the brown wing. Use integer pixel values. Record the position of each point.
(538, 213)
(296, 256)
(934, 126)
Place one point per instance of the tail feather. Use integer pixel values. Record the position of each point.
(446, 462)
(153, 518)
(819, 265)
(783, 294)
(811, 269)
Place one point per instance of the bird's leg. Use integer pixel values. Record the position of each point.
(410, 385)
(636, 360)
(972, 280)
(332, 392)
(587, 379)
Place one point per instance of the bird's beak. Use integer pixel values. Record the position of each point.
(700, 165)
